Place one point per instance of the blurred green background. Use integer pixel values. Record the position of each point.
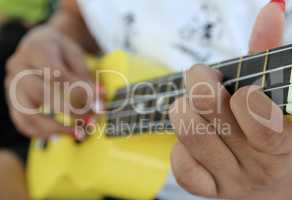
(29, 10)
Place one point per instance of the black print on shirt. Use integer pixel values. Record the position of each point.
(129, 21)
(196, 35)
(194, 54)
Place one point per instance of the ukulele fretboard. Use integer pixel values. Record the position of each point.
(143, 107)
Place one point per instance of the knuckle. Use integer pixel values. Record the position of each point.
(265, 180)
(269, 140)
(186, 132)
(182, 173)
(10, 64)
(273, 173)
(184, 181)
(196, 68)
(29, 43)
(186, 138)
(194, 71)
(270, 173)
(182, 125)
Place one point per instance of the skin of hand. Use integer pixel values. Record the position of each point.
(59, 45)
(254, 161)
(12, 184)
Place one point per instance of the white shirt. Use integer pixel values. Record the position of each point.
(178, 33)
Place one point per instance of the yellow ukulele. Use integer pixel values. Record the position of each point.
(127, 156)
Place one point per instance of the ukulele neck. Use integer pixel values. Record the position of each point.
(143, 107)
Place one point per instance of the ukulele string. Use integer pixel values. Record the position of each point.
(118, 103)
(135, 128)
(229, 82)
(165, 125)
(152, 110)
(131, 113)
(261, 55)
(277, 88)
(144, 98)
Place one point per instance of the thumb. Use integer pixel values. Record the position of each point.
(269, 27)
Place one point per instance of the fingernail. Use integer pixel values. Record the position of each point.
(55, 138)
(90, 119)
(281, 3)
(79, 135)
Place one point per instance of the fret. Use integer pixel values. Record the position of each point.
(144, 117)
(230, 72)
(254, 66)
(152, 116)
(263, 84)
(278, 50)
(164, 116)
(166, 102)
(157, 117)
(121, 121)
(172, 86)
(121, 94)
(162, 87)
(179, 82)
(239, 66)
(111, 121)
(279, 96)
(276, 79)
(288, 108)
(136, 116)
(226, 63)
(163, 103)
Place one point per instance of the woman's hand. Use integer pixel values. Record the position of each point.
(39, 74)
(225, 149)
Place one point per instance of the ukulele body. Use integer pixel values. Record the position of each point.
(126, 167)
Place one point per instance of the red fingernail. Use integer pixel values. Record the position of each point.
(90, 119)
(282, 4)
